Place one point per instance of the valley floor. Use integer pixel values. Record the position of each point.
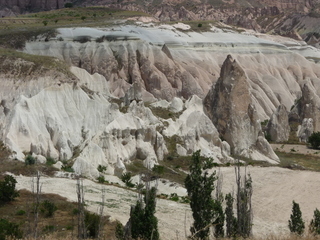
(274, 189)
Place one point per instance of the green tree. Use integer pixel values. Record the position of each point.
(200, 184)
(8, 190)
(92, 222)
(315, 223)
(30, 160)
(244, 209)
(296, 224)
(314, 140)
(144, 224)
(231, 220)
(219, 222)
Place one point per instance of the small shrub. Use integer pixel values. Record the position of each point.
(8, 190)
(30, 160)
(48, 228)
(83, 18)
(9, 229)
(75, 211)
(48, 208)
(82, 39)
(174, 197)
(268, 137)
(199, 25)
(45, 23)
(50, 161)
(68, 168)
(158, 169)
(185, 199)
(100, 39)
(170, 158)
(68, 5)
(126, 178)
(101, 179)
(102, 168)
(139, 186)
(314, 140)
(119, 231)
(69, 227)
(20, 212)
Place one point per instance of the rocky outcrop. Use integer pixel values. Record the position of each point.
(126, 62)
(195, 131)
(305, 129)
(278, 126)
(229, 106)
(309, 103)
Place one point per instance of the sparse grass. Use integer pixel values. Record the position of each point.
(63, 221)
(170, 172)
(163, 112)
(17, 167)
(66, 17)
(33, 64)
(299, 161)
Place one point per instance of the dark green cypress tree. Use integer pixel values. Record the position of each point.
(200, 185)
(219, 222)
(144, 224)
(151, 221)
(296, 224)
(231, 220)
(315, 223)
(137, 220)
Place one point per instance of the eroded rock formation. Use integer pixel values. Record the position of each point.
(278, 126)
(229, 106)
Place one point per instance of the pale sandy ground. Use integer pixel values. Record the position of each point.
(274, 189)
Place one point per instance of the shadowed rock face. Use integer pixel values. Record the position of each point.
(229, 106)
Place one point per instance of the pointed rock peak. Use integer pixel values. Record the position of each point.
(166, 50)
(230, 68)
(229, 106)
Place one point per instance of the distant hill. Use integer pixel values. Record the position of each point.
(293, 18)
